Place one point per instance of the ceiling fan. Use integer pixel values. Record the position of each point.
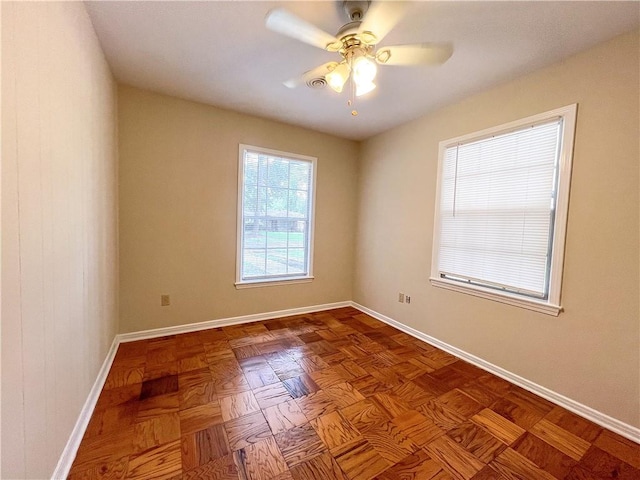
(357, 43)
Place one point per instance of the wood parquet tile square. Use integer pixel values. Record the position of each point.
(477, 441)
(283, 416)
(327, 377)
(560, 438)
(359, 460)
(457, 461)
(300, 386)
(329, 395)
(604, 465)
(271, 395)
(247, 430)
(202, 416)
(156, 431)
(335, 430)
(322, 466)
(112, 418)
(364, 415)
(238, 405)
(459, 402)
(116, 470)
(223, 468)
(264, 461)
(162, 462)
(513, 465)
(521, 416)
(498, 426)
(316, 404)
(417, 466)
(198, 394)
(343, 394)
(194, 378)
(159, 386)
(158, 405)
(619, 447)
(102, 450)
(232, 385)
(443, 416)
(204, 446)
(544, 455)
(390, 442)
(488, 473)
(419, 428)
(299, 444)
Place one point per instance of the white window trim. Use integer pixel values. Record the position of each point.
(262, 282)
(552, 306)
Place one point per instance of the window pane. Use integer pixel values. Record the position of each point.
(253, 263)
(299, 176)
(250, 202)
(276, 239)
(251, 169)
(298, 204)
(278, 173)
(254, 234)
(277, 261)
(277, 202)
(262, 170)
(296, 260)
(262, 201)
(297, 234)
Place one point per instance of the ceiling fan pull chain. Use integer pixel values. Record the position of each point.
(352, 88)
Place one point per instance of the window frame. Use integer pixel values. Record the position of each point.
(551, 305)
(281, 279)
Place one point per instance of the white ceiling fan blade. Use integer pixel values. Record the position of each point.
(317, 72)
(382, 17)
(418, 54)
(282, 21)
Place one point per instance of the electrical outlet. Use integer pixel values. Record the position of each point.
(165, 301)
(407, 299)
(401, 297)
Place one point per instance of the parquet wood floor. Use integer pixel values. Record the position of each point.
(330, 395)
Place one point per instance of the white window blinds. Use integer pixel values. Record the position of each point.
(497, 207)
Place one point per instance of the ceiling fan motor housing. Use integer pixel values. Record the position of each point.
(355, 9)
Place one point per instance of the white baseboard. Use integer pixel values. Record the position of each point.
(71, 448)
(621, 428)
(224, 322)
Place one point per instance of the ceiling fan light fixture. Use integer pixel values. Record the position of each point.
(364, 88)
(383, 56)
(338, 77)
(364, 70)
(356, 42)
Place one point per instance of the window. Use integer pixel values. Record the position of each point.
(275, 217)
(501, 211)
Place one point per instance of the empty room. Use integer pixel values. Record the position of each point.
(351, 240)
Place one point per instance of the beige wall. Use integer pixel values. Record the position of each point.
(178, 196)
(590, 353)
(59, 223)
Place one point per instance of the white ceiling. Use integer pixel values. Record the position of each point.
(220, 53)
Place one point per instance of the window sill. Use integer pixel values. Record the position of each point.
(272, 283)
(528, 303)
